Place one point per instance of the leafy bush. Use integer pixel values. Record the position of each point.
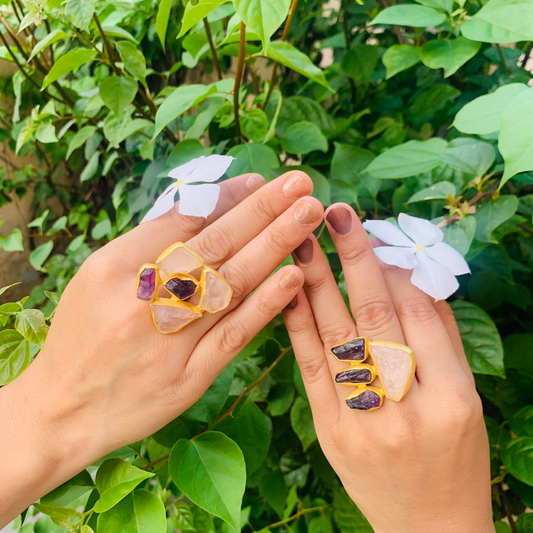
(414, 107)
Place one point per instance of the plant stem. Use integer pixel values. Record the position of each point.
(107, 46)
(347, 37)
(297, 515)
(505, 66)
(213, 48)
(238, 78)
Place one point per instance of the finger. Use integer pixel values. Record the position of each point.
(333, 320)
(446, 315)
(370, 300)
(231, 334)
(145, 243)
(223, 240)
(312, 360)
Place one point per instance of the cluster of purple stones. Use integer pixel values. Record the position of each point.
(355, 375)
(181, 288)
(365, 401)
(353, 350)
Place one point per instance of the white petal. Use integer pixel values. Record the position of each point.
(181, 172)
(449, 257)
(422, 231)
(433, 278)
(387, 232)
(198, 200)
(209, 169)
(400, 257)
(163, 204)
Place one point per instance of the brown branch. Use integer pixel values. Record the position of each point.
(107, 45)
(213, 48)
(238, 79)
(296, 516)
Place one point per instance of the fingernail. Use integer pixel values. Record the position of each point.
(255, 182)
(304, 252)
(296, 186)
(306, 213)
(290, 280)
(292, 303)
(340, 220)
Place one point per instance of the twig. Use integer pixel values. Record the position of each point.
(213, 48)
(296, 516)
(238, 79)
(348, 39)
(107, 46)
(505, 66)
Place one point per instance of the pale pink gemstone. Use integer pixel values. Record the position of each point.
(217, 295)
(170, 318)
(179, 260)
(394, 367)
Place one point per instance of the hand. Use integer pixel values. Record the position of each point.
(106, 376)
(417, 466)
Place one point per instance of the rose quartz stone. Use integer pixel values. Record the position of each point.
(217, 295)
(170, 318)
(394, 368)
(179, 260)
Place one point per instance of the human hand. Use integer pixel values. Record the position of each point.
(417, 466)
(106, 376)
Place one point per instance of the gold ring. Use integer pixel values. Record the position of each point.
(180, 288)
(393, 363)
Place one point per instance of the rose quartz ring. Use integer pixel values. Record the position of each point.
(393, 364)
(180, 287)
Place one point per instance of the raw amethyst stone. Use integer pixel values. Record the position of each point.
(146, 288)
(182, 288)
(353, 350)
(365, 401)
(359, 375)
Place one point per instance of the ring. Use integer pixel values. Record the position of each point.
(393, 363)
(180, 288)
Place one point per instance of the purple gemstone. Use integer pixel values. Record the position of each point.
(182, 288)
(359, 375)
(365, 401)
(146, 288)
(353, 350)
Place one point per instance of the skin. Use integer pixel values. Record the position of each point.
(415, 466)
(106, 376)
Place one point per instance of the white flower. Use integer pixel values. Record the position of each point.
(195, 200)
(419, 248)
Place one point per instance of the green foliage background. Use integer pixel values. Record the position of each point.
(423, 108)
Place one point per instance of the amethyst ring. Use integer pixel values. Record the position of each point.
(180, 288)
(393, 364)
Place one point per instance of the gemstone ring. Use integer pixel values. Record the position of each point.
(180, 288)
(393, 363)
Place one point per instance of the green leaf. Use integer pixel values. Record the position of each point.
(31, 324)
(12, 242)
(410, 15)
(4, 289)
(50, 39)
(90, 169)
(14, 355)
(140, 512)
(60, 515)
(493, 214)
(118, 93)
(248, 427)
(400, 57)
(348, 517)
(219, 474)
(524, 523)
(470, 156)
(133, 59)
(194, 13)
(204, 118)
(181, 100)
(439, 191)
(40, 254)
(80, 139)
(80, 12)
(349, 162)
(70, 490)
(304, 137)
(302, 422)
(360, 62)
(409, 159)
(522, 421)
(262, 17)
(274, 490)
(518, 459)
(299, 109)
(477, 29)
(448, 55)
(179, 428)
(253, 157)
(285, 54)
(320, 524)
(46, 133)
(481, 340)
(68, 64)
(484, 114)
(115, 479)
(161, 21)
(446, 5)
(254, 125)
(461, 234)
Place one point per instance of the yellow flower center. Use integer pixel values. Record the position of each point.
(178, 183)
(418, 248)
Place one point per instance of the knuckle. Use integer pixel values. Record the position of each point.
(419, 310)
(264, 208)
(181, 224)
(99, 267)
(332, 335)
(374, 315)
(313, 369)
(214, 245)
(265, 305)
(466, 407)
(355, 255)
(231, 337)
(403, 429)
(278, 242)
(316, 284)
(240, 281)
(446, 313)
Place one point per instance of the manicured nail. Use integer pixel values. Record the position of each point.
(292, 303)
(340, 220)
(304, 252)
(296, 186)
(290, 280)
(306, 213)
(255, 182)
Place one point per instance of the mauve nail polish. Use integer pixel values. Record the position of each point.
(340, 220)
(292, 303)
(304, 252)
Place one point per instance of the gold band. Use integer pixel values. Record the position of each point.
(180, 287)
(393, 364)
